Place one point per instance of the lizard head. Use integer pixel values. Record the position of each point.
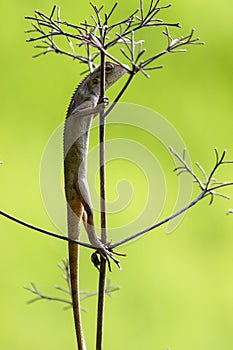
(113, 72)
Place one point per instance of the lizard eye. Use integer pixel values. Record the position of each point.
(109, 68)
(95, 81)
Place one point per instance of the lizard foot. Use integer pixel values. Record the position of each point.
(107, 254)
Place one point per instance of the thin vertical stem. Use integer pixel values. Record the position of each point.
(102, 273)
(102, 155)
(101, 299)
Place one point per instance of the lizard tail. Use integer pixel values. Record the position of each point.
(73, 228)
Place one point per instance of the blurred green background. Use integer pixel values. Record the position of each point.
(177, 289)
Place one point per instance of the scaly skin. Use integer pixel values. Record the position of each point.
(82, 109)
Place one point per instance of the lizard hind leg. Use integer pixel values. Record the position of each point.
(88, 216)
(102, 251)
(88, 222)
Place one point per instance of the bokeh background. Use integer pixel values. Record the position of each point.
(177, 289)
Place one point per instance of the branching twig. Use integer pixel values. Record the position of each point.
(122, 32)
(208, 187)
(64, 266)
(41, 296)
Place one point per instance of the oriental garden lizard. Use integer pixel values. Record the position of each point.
(84, 106)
